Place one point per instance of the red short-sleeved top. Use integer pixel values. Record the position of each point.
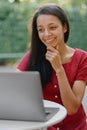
(76, 69)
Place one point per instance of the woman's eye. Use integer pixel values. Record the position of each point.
(53, 28)
(40, 30)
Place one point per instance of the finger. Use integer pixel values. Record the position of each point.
(50, 48)
(57, 47)
(52, 54)
(49, 58)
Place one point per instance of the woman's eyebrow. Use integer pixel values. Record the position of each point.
(48, 24)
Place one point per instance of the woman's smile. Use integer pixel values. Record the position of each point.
(49, 40)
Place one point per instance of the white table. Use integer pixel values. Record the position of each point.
(23, 125)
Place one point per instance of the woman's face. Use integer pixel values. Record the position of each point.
(50, 30)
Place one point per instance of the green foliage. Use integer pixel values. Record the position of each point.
(78, 37)
(14, 35)
(78, 30)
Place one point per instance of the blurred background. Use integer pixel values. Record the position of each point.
(15, 18)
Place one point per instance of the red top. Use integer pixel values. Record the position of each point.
(76, 69)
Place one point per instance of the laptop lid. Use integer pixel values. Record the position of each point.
(21, 96)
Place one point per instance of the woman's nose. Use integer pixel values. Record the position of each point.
(47, 32)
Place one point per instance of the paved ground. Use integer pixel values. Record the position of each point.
(13, 68)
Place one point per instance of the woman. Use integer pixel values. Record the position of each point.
(63, 69)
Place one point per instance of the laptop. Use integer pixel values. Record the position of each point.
(21, 97)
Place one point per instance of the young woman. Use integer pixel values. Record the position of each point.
(63, 69)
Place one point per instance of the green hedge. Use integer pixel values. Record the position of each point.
(78, 26)
(14, 35)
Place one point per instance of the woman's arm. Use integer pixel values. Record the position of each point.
(71, 97)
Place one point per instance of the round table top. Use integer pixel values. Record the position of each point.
(28, 125)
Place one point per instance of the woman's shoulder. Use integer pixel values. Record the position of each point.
(24, 62)
(80, 52)
(26, 57)
(80, 55)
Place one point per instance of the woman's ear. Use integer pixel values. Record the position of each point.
(65, 28)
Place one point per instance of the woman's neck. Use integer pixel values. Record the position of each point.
(66, 53)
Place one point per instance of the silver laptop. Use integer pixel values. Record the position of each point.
(21, 97)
